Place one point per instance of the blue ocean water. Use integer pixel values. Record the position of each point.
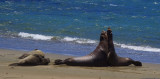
(72, 27)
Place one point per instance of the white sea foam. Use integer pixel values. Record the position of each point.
(139, 48)
(65, 39)
(79, 40)
(69, 39)
(34, 36)
(113, 5)
(84, 41)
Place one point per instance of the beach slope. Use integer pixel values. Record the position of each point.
(147, 71)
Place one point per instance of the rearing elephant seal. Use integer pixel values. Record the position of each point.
(96, 58)
(114, 59)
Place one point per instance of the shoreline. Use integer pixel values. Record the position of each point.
(7, 56)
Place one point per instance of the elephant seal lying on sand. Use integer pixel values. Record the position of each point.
(96, 58)
(35, 57)
(35, 51)
(113, 58)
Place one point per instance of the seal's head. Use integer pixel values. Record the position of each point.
(38, 52)
(109, 33)
(103, 36)
(45, 61)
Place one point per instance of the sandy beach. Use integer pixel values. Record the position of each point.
(147, 71)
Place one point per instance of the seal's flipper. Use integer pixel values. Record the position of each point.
(58, 61)
(23, 56)
(14, 64)
(137, 63)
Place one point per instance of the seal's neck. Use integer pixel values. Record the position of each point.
(111, 48)
(104, 44)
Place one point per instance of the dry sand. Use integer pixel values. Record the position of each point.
(147, 71)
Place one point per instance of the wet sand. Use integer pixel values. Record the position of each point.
(147, 71)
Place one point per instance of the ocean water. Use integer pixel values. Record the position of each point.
(73, 27)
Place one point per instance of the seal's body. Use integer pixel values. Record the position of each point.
(35, 57)
(96, 58)
(113, 58)
(32, 60)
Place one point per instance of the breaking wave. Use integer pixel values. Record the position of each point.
(49, 38)
(34, 36)
(139, 48)
(84, 41)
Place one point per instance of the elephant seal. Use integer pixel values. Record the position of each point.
(113, 58)
(32, 60)
(96, 58)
